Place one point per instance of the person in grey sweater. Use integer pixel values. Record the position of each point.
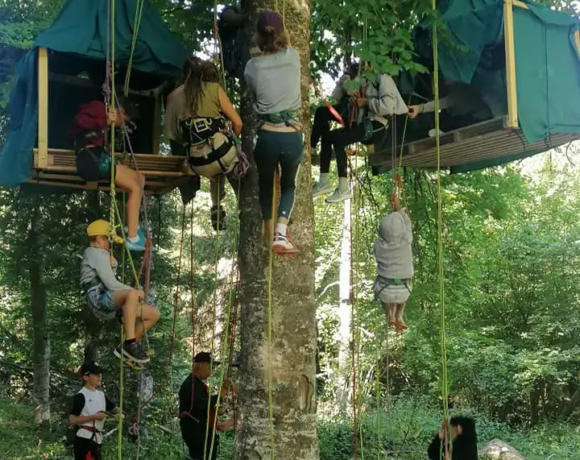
(273, 78)
(394, 255)
(108, 298)
(376, 103)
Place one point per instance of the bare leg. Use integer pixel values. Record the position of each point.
(131, 306)
(133, 182)
(148, 316)
(400, 309)
(389, 312)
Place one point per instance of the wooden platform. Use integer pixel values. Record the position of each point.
(162, 172)
(483, 141)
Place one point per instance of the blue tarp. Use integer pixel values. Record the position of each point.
(81, 28)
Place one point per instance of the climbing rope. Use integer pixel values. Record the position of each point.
(441, 275)
(136, 27)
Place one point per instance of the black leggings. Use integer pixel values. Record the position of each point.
(83, 446)
(272, 149)
(321, 124)
(339, 139)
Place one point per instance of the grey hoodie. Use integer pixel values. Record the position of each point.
(96, 265)
(393, 249)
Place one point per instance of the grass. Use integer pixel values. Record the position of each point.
(404, 433)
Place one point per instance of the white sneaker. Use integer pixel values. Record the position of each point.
(433, 133)
(338, 196)
(321, 189)
(282, 245)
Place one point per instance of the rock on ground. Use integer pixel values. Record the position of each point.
(499, 450)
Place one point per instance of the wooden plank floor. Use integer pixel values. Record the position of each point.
(483, 141)
(162, 172)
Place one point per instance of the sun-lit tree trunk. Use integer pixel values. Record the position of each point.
(344, 314)
(291, 357)
(41, 342)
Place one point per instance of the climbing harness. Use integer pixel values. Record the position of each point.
(290, 118)
(199, 131)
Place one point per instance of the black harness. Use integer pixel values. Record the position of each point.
(201, 131)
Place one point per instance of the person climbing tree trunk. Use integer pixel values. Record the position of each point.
(41, 348)
(291, 361)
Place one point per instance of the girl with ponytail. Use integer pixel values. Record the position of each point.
(274, 79)
(196, 115)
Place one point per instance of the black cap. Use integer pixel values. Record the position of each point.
(205, 357)
(91, 368)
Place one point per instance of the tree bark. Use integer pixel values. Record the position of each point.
(290, 356)
(41, 356)
(344, 313)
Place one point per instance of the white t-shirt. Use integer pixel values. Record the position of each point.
(90, 402)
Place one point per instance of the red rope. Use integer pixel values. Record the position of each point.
(192, 305)
(332, 110)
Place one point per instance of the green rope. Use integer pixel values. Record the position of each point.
(441, 275)
(225, 343)
(136, 27)
(269, 326)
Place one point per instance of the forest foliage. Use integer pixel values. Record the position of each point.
(511, 257)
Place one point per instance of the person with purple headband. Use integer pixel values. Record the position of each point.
(274, 79)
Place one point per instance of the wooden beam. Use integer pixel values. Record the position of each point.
(521, 4)
(510, 57)
(42, 108)
(157, 125)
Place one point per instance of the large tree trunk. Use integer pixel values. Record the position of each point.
(291, 361)
(345, 314)
(41, 356)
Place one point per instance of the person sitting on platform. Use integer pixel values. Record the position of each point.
(462, 434)
(197, 410)
(274, 79)
(89, 409)
(375, 104)
(323, 116)
(93, 159)
(394, 255)
(108, 298)
(194, 115)
(466, 105)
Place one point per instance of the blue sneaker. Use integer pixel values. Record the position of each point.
(136, 246)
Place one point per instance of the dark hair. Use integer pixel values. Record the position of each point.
(196, 72)
(127, 105)
(466, 443)
(270, 40)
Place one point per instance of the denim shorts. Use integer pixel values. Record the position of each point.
(102, 303)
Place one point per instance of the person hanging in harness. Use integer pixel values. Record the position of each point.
(89, 409)
(198, 411)
(196, 114)
(341, 94)
(394, 256)
(375, 103)
(108, 298)
(93, 158)
(274, 80)
(232, 35)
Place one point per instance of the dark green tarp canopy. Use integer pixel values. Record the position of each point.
(81, 29)
(547, 62)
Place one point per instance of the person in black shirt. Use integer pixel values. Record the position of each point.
(463, 438)
(197, 410)
(88, 412)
